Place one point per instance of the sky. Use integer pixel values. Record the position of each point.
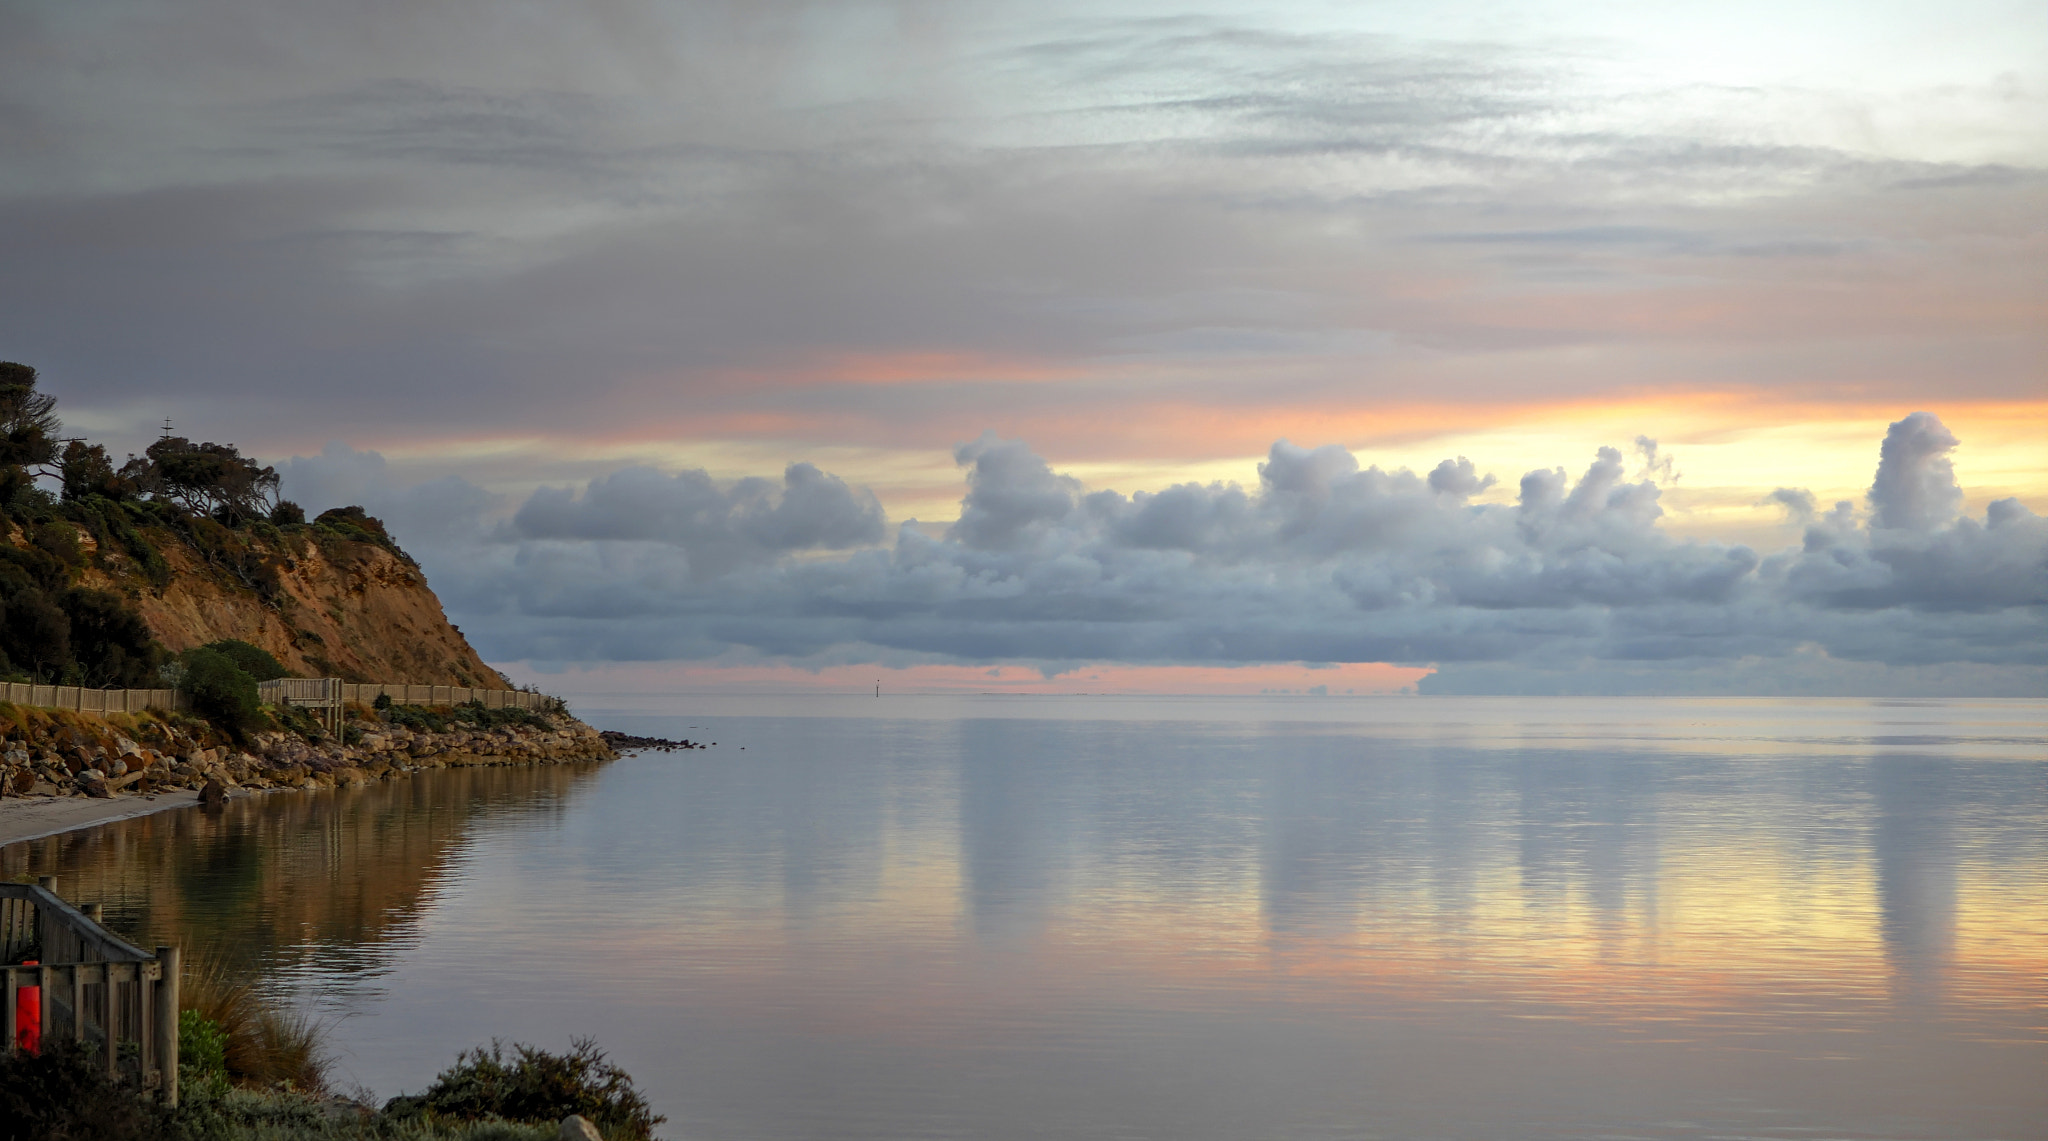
(1122, 346)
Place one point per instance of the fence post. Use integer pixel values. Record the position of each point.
(167, 1024)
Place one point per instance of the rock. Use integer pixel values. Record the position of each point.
(576, 1127)
(214, 793)
(117, 767)
(126, 748)
(94, 786)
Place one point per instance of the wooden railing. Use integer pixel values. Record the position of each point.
(368, 692)
(87, 700)
(317, 692)
(93, 986)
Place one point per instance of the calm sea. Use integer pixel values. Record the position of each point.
(1026, 917)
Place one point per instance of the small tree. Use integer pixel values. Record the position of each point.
(85, 470)
(220, 691)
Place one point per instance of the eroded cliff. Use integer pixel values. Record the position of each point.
(332, 598)
(339, 608)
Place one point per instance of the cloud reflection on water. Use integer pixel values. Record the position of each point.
(1216, 919)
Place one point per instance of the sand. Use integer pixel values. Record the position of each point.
(34, 817)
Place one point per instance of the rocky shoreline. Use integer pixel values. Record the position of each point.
(83, 756)
(623, 741)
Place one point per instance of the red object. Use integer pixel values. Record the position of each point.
(28, 1015)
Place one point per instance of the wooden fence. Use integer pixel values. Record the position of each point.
(321, 693)
(86, 700)
(90, 985)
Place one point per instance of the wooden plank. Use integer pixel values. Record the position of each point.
(167, 1023)
(110, 1046)
(13, 984)
(145, 1028)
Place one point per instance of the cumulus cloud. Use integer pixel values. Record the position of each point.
(719, 526)
(1325, 559)
(1916, 484)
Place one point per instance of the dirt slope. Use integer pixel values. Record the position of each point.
(326, 607)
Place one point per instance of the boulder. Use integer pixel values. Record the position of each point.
(576, 1127)
(214, 792)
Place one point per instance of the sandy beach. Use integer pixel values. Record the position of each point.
(32, 818)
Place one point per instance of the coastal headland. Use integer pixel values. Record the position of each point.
(184, 571)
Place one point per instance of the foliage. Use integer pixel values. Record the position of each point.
(232, 551)
(202, 1054)
(85, 470)
(430, 719)
(211, 480)
(114, 525)
(287, 514)
(62, 1094)
(28, 434)
(255, 661)
(355, 524)
(269, 1115)
(535, 1086)
(109, 640)
(35, 635)
(220, 690)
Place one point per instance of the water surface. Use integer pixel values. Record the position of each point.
(1013, 917)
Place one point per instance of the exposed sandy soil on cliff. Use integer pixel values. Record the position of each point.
(346, 609)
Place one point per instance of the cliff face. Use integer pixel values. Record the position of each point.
(325, 605)
(350, 610)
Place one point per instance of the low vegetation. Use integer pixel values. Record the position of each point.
(251, 1071)
(534, 1086)
(470, 715)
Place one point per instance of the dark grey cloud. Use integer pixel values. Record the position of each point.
(281, 214)
(1324, 560)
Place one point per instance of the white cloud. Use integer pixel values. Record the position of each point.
(1324, 560)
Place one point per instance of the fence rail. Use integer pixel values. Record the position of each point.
(318, 692)
(88, 985)
(86, 700)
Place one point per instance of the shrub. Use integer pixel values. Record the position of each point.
(533, 1085)
(63, 1094)
(255, 661)
(202, 1054)
(220, 691)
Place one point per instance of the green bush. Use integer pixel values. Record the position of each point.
(202, 1053)
(220, 691)
(255, 661)
(535, 1086)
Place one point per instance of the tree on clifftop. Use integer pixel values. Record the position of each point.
(214, 480)
(28, 427)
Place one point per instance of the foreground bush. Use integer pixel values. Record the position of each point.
(536, 1087)
(62, 1094)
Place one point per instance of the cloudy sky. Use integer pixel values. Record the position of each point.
(774, 343)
